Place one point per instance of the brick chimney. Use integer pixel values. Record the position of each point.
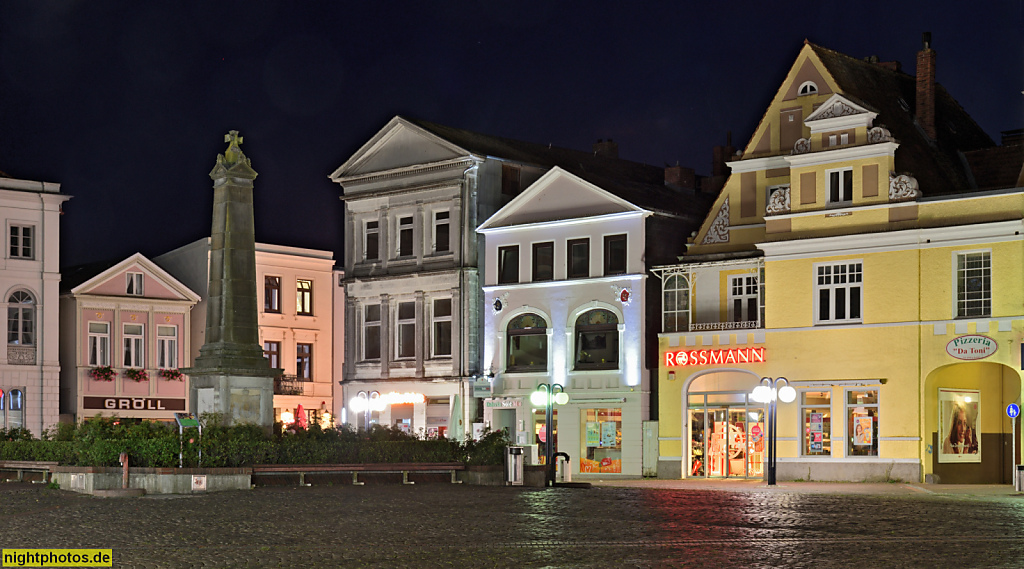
(926, 86)
(606, 148)
(678, 177)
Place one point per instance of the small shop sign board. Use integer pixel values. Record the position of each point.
(502, 403)
(971, 347)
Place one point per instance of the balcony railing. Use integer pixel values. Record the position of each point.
(292, 385)
(718, 326)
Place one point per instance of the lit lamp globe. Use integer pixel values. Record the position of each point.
(539, 398)
(358, 404)
(561, 398)
(762, 394)
(787, 394)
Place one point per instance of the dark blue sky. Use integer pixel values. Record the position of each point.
(126, 103)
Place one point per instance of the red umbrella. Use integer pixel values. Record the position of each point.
(300, 417)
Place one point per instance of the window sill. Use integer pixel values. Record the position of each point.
(595, 369)
(838, 322)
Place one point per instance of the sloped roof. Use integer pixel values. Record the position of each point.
(938, 165)
(997, 167)
(70, 277)
(640, 184)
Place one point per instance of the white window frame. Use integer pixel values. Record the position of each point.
(134, 283)
(18, 235)
(299, 369)
(304, 298)
(25, 312)
(400, 323)
(843, 190)
(807, 88)
(435, 320)
(818, 275)
(684, 312)
(372, 326)
(98, 345)
(747, 290)
(832, 140)
(435, 223)
(167, 346)
(957, 308)
(274, 358)
(844, 138)
(847, 406)
(399, 228)
(134, 346)
(367, 231)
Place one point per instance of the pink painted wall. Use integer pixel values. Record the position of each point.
(117, 284)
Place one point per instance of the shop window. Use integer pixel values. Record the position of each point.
(743, 298)
(675, 310)
(508, 264)
(579, 258)
(271, 294)
(134, 339)
(840, 184)
(304, 297)
(272, 351)
(442, 327)
(371, 332)
(527, 344)
(862, 422)
(973, 284)
(543, 261)
(99, 343)
(615, 254)
(167, 347)
(602, 440)
(816, 423)
(839, 293)
(406, 343)
(597, 340)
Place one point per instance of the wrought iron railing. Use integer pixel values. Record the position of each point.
(716, 326)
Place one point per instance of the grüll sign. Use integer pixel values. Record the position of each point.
(133, 404)
(971, 347)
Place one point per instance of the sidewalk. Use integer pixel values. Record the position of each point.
(879, 488)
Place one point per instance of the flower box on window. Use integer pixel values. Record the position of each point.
(171, 374)
(136, 374)
(102, 373)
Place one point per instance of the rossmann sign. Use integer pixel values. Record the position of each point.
(714, 357)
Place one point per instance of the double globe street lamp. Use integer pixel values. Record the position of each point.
(366, 402)
(548, 395)
(770, 392)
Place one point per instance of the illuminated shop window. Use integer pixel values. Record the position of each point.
(597, 340)
(527, 348)
(602, 440)
(862, 422)
(816, 423)
(973, 284)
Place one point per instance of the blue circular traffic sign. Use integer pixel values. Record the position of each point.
(1012, 410)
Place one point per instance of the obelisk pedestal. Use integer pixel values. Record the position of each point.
(231, 376)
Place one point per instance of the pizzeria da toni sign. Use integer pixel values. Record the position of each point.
(971, 347)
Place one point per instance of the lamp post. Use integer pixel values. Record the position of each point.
(548, 394)
(770, 391)
(365, 402)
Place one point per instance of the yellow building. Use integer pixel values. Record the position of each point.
(867, 247)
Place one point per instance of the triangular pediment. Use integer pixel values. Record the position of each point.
(558, 196)
(837, 106)
(157, 283)
(400, 144)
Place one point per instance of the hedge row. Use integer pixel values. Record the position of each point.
(99, 442)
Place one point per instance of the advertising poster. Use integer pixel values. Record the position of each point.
(863, 430)
(593, 434)
(959, 418)
(608, 434)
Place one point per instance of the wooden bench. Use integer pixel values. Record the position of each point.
(23, 466)
(385, 468)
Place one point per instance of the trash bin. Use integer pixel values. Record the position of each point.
(1018, 479)
(514, 466)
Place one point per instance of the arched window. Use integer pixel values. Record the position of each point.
(808, 88)
(597, 340)
(21, 310)
(527, 343)
(675, 308)
(15, 409)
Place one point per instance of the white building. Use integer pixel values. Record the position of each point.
(296, 319)
(568, 303)
(29, 280)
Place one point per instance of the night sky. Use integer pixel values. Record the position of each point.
(125, 104)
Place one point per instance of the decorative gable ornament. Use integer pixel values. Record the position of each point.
(879, 134)
(802, 146)
(838, 113)
(623, 294)
(499, 303)
(778, 201)
(903, 187)
(719, 230)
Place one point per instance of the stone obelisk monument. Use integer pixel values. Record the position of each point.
(231, 376)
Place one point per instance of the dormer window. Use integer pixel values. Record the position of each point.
(133, 286)
(807, 88)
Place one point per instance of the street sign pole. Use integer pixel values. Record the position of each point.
(1012, 411)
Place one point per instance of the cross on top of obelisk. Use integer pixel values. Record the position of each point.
(233, 138)
(233, 154)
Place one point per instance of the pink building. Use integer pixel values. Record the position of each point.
(125, 331)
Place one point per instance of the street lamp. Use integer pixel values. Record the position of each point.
(549, 394)
(365, 402)
(770, 391)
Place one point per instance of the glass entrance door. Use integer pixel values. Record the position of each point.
(726, 441)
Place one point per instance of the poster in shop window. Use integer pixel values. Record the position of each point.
(608, 429)
(863, 431)
(593, 434)
(959, 415)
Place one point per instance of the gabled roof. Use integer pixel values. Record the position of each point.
(555, 196)
(637, 183)
(85, 278)
(938, 165)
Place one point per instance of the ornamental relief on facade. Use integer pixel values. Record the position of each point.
(719, 230)
(778, 201)
(838, 109)
(802, 146)
(879, 134)
(902, 188)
